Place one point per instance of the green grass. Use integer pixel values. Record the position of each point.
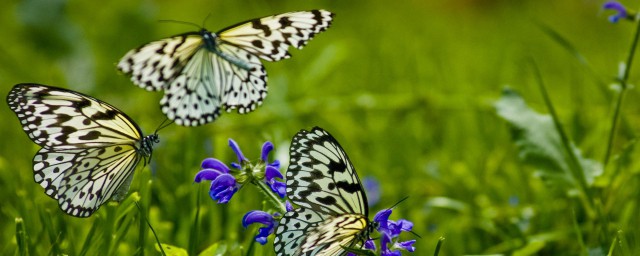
(408, 88)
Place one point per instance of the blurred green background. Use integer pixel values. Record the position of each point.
(407, 88)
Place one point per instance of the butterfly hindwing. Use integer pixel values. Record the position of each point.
(196, 96)
(292, 229)
(332, 211)
(84, 179)
(89, 148)
(203, 72)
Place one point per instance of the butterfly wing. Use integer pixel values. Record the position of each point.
(81, 180)
(63, 119)
(291, 231)
(306, 232)
(154, 65)
(333, 207)
(210, 82)
(321, 177)
(89, 148)
(202, 72)
(270, 37)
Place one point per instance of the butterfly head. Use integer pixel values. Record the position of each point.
(146, 145)
(210, 40)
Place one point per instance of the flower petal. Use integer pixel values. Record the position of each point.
(370, 245)
(382, 217)
(212, 163)
(206, 174)
(406, 245)
(267, 147)
(279, 187)
(236, 149)
(271, 173)
(405, 225)
(617, 7)
(275, 164)
(288, 206)
(391, 253)
(257, 217)
(223, 188)
(384, 241)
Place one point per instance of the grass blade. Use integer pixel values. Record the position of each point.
(21, 238)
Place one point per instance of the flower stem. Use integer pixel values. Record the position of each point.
(275, 199)
(623, 88)
(576, 169)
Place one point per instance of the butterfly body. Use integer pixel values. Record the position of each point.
(333, 209)
(89, 148)
(203, 72)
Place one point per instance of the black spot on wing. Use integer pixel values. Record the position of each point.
(92, 135)
(256, 24)
(108, 115)
(257, 44)
(285, 22)
(349, 187)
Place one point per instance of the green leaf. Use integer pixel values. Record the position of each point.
(539, 143)
(171, 250)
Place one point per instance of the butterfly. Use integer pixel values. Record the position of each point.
(332, 206)
(89, 148)
(202, 72)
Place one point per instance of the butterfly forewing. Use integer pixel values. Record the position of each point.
(270, 37)
(154, 65)
(203, 72)
(332, 211)
(321, 177)
(89, 148)
(66, 119)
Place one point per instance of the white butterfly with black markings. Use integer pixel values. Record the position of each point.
(89, 148)
(332, 208)
(202, 72)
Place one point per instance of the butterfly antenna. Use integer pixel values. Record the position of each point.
(205, 19)
(182, 22)
(415, 234)
(396, 204)
(165, 123)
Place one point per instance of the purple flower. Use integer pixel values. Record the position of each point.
(382, 218)
(223, 188)
(390, 230)
(384, 249)
(621, 11)
(263, 218)
(272, 171)
(226, 182)
(370, 245)
(223, 184)
(406, 245)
